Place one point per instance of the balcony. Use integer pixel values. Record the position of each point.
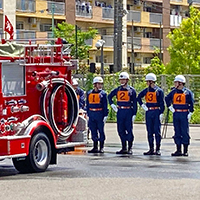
(83, 11)
(155, 43)
(134, 15)
(136, 43)
(155, 18)
(194, 1)
(25, 5)
(175, 20)
(89, 42)
(108, 13)
(1, 4)
(25, 34)
(178, 1)
(59, 7)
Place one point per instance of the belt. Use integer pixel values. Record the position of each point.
(181, 110)
(96, 109)
(153, 108)
(123, 107)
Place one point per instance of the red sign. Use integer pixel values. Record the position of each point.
(9, 27)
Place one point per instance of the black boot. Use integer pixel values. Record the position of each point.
(150, 152)
(157, 152)
(185, 150)
(95, 148)
(123, 150)
(178, 151)
(101, 147)
(130, 144)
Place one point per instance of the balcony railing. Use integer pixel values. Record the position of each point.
(25, 5)
(175, 20)
(155, 43)
(194, 1)
(176, 0)
(155, 18)
(89, 42)
(1, 4)
(83, 11)
(109, 40)
(136, 43)
(108, 13)
(134, 15)
(25, 34)
(59, 7)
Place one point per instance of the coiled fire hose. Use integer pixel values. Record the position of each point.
(47, 104)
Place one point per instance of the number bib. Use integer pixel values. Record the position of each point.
(123, 96)
(179, 99)
(94, 98)
(150, 97)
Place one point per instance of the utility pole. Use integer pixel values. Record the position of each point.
(115, 54)
(119, 38)
(160, 54)
(132, 51)
(76, 41)
(102, 61)
(52, 13)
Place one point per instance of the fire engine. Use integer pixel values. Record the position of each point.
(39, 110)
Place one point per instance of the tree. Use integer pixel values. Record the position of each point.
(67, 32)
(156, 66)
(185, 46)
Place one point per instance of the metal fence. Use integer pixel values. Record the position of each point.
(166, 82)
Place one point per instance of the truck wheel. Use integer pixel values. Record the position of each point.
(39, 155)
(40, 152)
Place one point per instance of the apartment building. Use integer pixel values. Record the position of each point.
(147, 22)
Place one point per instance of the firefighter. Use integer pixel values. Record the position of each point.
(182, 108)
(80, 94)
(154, 108)
(97, 111)
(126, 110)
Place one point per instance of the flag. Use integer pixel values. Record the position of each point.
(9, 27)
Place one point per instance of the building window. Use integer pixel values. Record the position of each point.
(45, 27)
(147, 60)
(19, 25)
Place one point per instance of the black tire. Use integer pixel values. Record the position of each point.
(21, 164)
(39, 155)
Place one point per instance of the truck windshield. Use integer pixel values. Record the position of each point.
(13, 79)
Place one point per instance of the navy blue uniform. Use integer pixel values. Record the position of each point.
(97, 109)
(81, 97)
(155, 103)
(127, 107)
(183, 103)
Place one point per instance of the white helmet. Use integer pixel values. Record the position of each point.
(150, 77)
(74, 82)
(97, 80)
(180, 78)
(124, 75)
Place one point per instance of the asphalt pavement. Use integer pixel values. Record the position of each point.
(79, 175)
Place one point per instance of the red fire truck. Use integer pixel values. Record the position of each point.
(39, 114)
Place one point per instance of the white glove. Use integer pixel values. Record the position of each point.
(144, 107)
(189, 116)
(171, 109)
(161, 116)
(114, 107)
(133, 118)
(105, 119)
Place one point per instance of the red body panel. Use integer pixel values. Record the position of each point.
(13, 112)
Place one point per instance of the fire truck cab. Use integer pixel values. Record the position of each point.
(39, 112)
